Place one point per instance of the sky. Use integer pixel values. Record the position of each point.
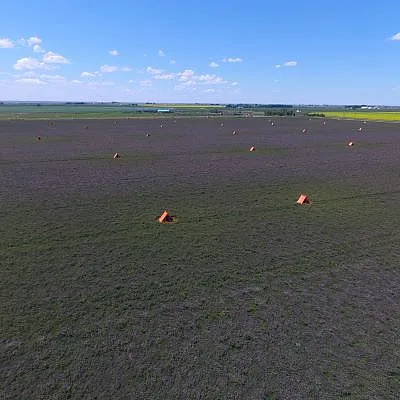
(310, 52)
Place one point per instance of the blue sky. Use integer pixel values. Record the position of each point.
(314, 52)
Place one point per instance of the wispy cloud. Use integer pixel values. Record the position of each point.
(164, 76)
(126, 69)
(213, 64)
(96, 84)
(172, 61)
(153, 71)
(114, 52)
(161, 53)
(186, 75)
(86, 74)
(37, 49)
(33, 40)
(235, 83)
(287, 64)
(36, 78)
(232, 60)
(52, 78)
(160, 74)
(6, 43)
(146, 83)
(34, 81)
(108, 68)
(394, 37)
(210, 79)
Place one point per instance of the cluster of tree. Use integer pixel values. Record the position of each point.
(315, 114)
(281, 113)
(355, 106)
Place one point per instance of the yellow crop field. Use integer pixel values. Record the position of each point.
(367, 115)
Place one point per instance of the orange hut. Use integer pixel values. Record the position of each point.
(303, 199)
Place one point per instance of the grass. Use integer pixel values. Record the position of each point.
(248, 295)
(367, 115)
(102, 286)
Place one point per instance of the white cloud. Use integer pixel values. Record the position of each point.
(29, 63)
(290, 64)
(172, 61)
(153, 71)
(161, 53)
(108, 68)
(126, 69)
(37, 49)
(34, 81)
(186, 75)
(235, 83)
(34, 40)
(394, 37)
(209, 91)
(6, 43)
(232, 60)
(114, 52)
(213, 64)
(76, 82)
(210, 79)
(131, 81)
(53, 58)
(278, 65)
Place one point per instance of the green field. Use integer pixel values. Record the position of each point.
(364, 115)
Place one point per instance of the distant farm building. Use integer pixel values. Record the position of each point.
(164, 110)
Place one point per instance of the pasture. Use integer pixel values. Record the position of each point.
(247, 296)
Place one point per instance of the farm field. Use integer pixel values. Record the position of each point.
(248, 295)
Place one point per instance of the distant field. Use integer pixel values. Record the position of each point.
(367, 115)
(178, 105)
(100, 111)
